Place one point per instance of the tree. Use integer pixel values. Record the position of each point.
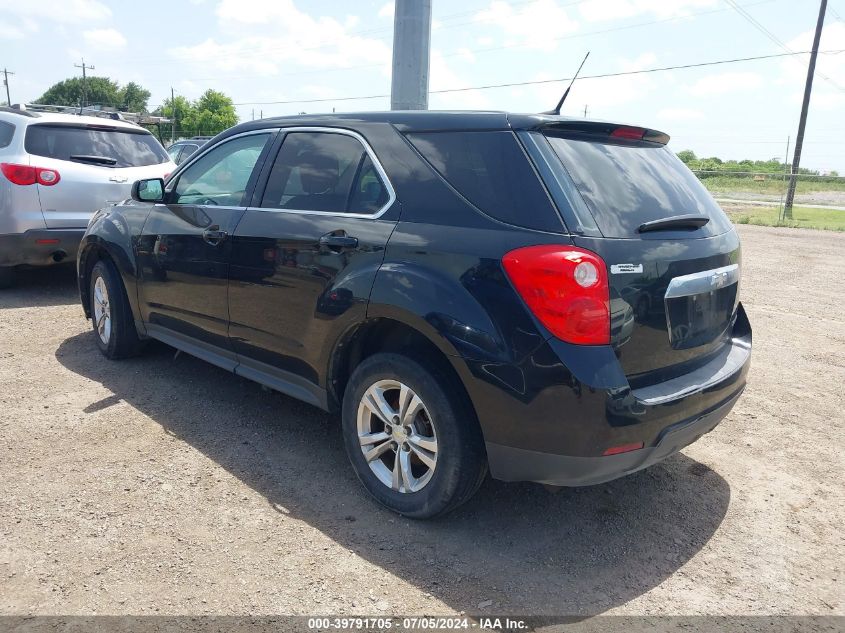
(176, 110)
(687, 156)
(133, 98)
(98, 91)
(213, 112)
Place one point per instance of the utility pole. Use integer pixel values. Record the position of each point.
(585, 110)
(6, 74)
(802, 122)
(173, 116)
(411, 45)
(84, 83)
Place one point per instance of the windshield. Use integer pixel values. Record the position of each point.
(126, 148)
(625, 186)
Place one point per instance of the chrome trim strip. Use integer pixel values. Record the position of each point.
(704, 281)
(728, 362)
(376, 163)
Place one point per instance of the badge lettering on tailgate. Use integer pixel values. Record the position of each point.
(620, 269)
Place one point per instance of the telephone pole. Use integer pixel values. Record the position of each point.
(172, 116)
(84, 67)
(411, 44)
(6, 74)
(802, 122)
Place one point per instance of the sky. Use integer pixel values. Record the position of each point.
(262, 52)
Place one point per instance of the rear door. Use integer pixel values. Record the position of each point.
(183, 253)
(674, 291)
(97, 165)
(305, 257)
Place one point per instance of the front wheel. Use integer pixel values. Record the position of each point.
(412, 440)
(111, 316)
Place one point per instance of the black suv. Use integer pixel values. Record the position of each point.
(555, 299)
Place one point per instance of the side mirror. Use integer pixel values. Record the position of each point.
(149, 190)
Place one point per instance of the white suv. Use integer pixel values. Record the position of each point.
(56, 170)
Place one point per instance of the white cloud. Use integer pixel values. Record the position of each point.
(105, 39)
(67, 11)
(537, 25)
(12, 32)
(725, 83)
(602, 10)
(605, 94)
(680, 114)
(829, 68)
(442, 77)
(266, 35)
(387, 10)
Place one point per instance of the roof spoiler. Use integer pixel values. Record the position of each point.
(595, 130)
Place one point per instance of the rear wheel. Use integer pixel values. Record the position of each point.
(7, 276)
(411, 439)
(111, 316)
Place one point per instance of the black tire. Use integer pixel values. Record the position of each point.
(7, 276)
(122, 340)
(461, 462)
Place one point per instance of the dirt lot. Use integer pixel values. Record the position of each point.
(165, 485)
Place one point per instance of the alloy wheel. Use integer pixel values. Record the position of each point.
(102, 310)
(397, 436)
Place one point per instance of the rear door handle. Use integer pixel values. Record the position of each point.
(338, 241)
(214, 236)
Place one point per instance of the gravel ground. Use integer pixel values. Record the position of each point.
(165, 485)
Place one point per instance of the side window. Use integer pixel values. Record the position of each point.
(324, 171)
(491, 171)
(221, 176)
(7, 131)
(187, 150)
(173, 152)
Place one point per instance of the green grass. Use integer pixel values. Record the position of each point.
(802, 217)
(774, 185)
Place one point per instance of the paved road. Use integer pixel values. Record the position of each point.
(769, 203)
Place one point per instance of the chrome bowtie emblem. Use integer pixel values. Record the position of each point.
(718, 280)
(120, 179)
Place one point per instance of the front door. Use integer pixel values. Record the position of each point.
(304, 259)
(184, 249)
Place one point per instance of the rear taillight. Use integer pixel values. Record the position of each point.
(29, 175)
(565, 288)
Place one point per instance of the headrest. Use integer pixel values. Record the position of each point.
(318, 172)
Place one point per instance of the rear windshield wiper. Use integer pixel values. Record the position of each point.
(99, 160)
(674, 222)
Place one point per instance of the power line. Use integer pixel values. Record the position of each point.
(750, 18)
(543, 81)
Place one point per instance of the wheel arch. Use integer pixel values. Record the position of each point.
(396, 332)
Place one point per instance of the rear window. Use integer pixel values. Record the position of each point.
(7, 131)
(491, 171)
(627, 185)
(126, 148)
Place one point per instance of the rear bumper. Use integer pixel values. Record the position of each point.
(552, 418)
(40, 247)
(515, 464)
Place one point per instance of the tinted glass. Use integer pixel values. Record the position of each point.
(187, 150)
(220, 177)
(625, 186)
(7, 131)
(125, 148)
(173, 152)
(321, 171)
(491, 171)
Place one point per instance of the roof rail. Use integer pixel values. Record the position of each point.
(18, 109)
(137, 118)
